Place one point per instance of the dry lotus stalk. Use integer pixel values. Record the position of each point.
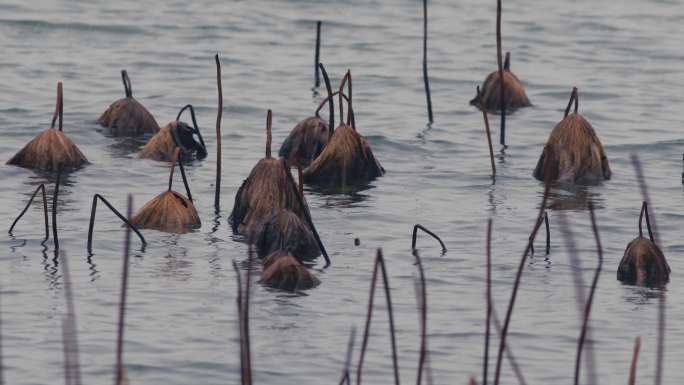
(348, 158)
(266, 189)
(308, 138)
(577, 154)
(644, 263)
(285, 272)
(127, 116)
(176, 134)
(51, 150)
(489, 95)
(169, 211)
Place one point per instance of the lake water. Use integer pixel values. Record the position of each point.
(625, 57)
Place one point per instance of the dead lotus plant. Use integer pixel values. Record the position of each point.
(51, 150)
(176, 134)
(348, 158)
(126, 116)
(573, 151)
(170, 211)
(644, 263)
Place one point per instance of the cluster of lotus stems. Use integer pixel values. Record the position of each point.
(271, 214)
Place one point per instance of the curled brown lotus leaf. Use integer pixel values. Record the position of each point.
(347, 159)
(490, 93)
(265, 189)
(170, 212)
(49, 151)
(643, 264)
(160, 146)
(283, 271)
(286, 231)
(305, 142)
(577, 153)
(127, 116)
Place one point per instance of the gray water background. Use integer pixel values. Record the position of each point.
(625, 57)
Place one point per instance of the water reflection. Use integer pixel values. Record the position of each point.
(639, 295)
(573, 197)
(341, 197)
(123, 147)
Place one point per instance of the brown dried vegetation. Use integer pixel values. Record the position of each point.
(169, 211)
(266, 189)
(348, 158)
(305, 142)
(576, 151)
(285, 272)
(287, 232)
(51, 150)
(127, 116)
(489, 95)
(643, 264)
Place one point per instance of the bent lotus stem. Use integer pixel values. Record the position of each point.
(307, 215)
(379, 261)
(347, 79)
(488, 293)
(55, 238)
(423, 318)
(574, 98)
(217, 192)
(426, 80)
(120, 373)
(545, 220)
(509, 351)
(177, 158)
(516, 284)
(238, 300)
(128, 88)
(317, 55)
(324, 102)
(433, 235)
(59, 107)
(269, 122)
(194, 122)
(117, 213)
(499, 61)
(635, 358)
(40, 188)
(488, 132)
(328, 89)
(644, 210)
(590, 299)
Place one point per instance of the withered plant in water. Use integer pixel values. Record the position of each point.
(51, 150)
(308, 138)
(127, 116)
(348, 158)
(170, 211)
(266, 189)
(578, 155)
(643, 262)
(176, 134)
(281, 270)
(496, 95)
(489, 94)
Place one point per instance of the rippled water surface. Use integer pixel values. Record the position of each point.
(625, 57)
